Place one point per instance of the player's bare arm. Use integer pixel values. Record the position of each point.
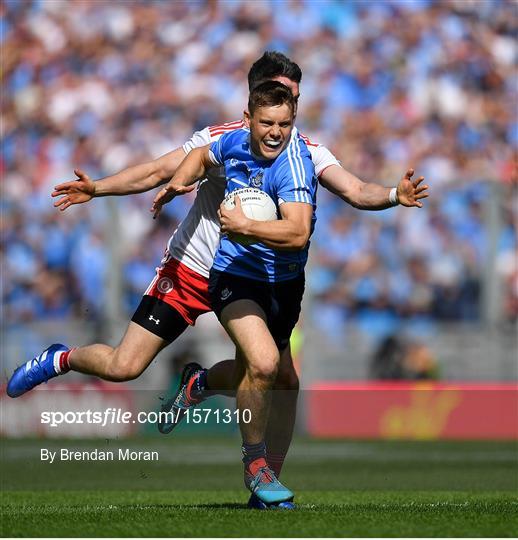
(131, 180)
(191, 169)
(289, 233)
(371, 196)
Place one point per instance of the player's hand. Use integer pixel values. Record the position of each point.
(167, 194)
(409, 192)
(233, 221)
(75, 192)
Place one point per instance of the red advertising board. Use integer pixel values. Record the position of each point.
(413, 410)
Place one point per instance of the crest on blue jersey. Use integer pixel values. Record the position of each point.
(239, 172)
(257, 180)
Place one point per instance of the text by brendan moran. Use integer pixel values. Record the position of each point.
(122, 454)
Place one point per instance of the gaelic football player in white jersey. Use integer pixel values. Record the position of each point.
(179, 292)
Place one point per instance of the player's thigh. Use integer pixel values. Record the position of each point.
(245, 322)
(153, 326)
(160, 318)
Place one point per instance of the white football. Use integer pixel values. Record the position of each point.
(256, 205)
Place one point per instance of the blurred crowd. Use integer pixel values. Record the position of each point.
(386, 85)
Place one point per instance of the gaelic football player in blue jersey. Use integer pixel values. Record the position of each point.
(256, 289)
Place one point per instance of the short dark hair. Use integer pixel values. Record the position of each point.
(270, 94)
(273, 64)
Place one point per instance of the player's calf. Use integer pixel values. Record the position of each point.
(119, 369)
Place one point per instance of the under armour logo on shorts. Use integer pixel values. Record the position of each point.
(156, 321)
(225, 293)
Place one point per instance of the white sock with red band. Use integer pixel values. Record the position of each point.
(62, 365)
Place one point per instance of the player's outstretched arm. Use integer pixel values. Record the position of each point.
(192, 168)
(371, 196)
(136, 179)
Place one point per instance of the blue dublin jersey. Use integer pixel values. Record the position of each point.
(288, 178)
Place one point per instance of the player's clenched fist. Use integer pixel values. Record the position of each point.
(74, 192)
(409, 192)
(233, 220)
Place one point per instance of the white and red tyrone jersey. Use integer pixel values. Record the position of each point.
(196, 239)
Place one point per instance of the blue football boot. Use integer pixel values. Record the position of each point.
(255, 503)
(174, 409)
(267, 488)
(35, 371)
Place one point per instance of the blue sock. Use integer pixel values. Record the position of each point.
(251, 452)
(200, 388)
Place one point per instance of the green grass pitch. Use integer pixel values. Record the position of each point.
(343, 488)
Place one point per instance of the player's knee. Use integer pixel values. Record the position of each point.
(266, 370)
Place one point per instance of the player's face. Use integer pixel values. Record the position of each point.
(293, 86)
(270, 129)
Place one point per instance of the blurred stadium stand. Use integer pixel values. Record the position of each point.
(386, 84)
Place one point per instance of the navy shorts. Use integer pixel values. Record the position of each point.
(280, 301)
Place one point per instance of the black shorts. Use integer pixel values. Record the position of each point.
(280, 301)
(159, 318)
